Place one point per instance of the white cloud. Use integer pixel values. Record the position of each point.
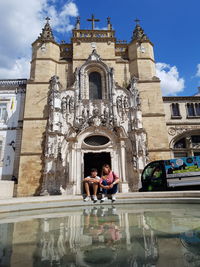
(22, 23)
(60, 20)
(198, 70)
(171, 83)
(20, 69)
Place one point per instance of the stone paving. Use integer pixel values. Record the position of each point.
(63, 201)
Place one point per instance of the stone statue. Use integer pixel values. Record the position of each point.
(76, 79)
(135, 94)
(54, 83)
(71, 104)
(125, 102)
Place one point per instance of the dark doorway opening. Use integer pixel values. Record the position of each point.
(95, 160)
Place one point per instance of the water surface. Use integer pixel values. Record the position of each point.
(124, 235)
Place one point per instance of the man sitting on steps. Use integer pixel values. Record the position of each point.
(91, 182)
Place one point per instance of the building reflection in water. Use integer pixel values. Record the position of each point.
(104, 236)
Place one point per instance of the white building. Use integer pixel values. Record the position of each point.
(12, 97)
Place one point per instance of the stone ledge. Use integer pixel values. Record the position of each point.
(51, 202)
(6, 189)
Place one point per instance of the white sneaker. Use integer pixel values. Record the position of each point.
(94, 198)
(103, 198)
(113, 198)
(87, 199)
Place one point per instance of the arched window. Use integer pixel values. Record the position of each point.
(187, 146)
(180, 143)
(175, 110)
(197, 109)
(190, 110)
(95, 86)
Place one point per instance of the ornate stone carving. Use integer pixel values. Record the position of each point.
(71, 104)
(139, 35)
(47, 34)
(71, 115)
(179, 130)
(94, 56)
(172, 131)
(54, 83)
(136, 102)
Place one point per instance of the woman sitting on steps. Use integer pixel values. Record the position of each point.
(108, 182)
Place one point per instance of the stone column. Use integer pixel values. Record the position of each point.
(123, 170)
(123, 184)
(72, 169)
(78, 177)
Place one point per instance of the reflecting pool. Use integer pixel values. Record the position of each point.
(122, 235)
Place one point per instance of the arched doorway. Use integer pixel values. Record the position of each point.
(95, 160)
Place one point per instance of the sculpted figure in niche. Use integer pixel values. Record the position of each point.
(126, 103)
(76, 83)
(135, 93)
(119, 103)
(71, 104)
(64, 105)
(85, 112)
(54, 82)
(96, 111)
(106, 112)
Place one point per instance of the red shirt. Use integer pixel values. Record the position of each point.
(110, 178)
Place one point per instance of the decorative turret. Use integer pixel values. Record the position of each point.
(141, 55)
(45, 48)
(138, 33)
(47, 34)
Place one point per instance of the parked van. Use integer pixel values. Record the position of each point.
(164, 174)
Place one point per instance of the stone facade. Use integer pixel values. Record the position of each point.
(69, 127)
(183, 125)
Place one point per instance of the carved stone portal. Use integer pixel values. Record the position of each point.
(72, 117)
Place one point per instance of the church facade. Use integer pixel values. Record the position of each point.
(92, 101)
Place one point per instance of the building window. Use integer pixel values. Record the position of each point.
(195, 141)
(190, 110)
(175, 110)
(96, 140)
(180, 143)
(187, 146)
(95, 85)
(3, 112)
(193, 110)
(197, 109)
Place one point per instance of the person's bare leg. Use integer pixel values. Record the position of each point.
(87, 189)
(95, 187)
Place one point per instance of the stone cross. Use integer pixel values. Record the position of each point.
(47, 19)
(93, 21)
(137, 21)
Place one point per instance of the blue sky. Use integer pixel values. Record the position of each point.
(173, 27)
